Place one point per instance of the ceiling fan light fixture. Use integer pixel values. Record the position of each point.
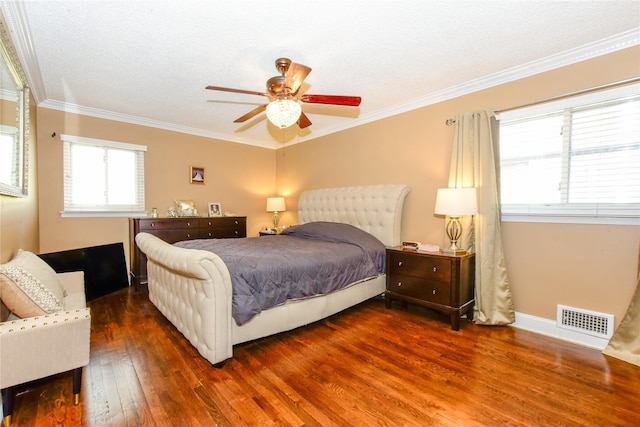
(283, 112)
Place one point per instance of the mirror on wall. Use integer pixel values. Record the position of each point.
(14, 121)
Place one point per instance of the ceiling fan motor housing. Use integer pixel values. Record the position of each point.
(282, 92)
(275, 87)
(282, 65)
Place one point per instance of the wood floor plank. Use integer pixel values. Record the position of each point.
(365, 366)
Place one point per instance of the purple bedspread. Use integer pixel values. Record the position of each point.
(303, 261)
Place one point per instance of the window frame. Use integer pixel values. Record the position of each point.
(595, 213)
(103, 210)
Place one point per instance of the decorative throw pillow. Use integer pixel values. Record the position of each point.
(30, 287)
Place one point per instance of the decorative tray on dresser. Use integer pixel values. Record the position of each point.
(434, 280)
(173, 230)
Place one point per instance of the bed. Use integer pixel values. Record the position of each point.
(193, 288)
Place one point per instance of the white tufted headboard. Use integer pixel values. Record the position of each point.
(376, 209)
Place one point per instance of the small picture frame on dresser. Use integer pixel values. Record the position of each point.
(197, 175)
(215, 209)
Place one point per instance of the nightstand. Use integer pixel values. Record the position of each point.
(435, 280)
(269, 232)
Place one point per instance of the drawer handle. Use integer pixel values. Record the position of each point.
(236, 221)
(399, 263)
(188, 235)
(153, 224)
(433, 292)
(435, 269)
(399, 284)
(209, 223)
(236, 231)
(188, 224)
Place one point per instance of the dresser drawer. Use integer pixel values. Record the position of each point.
(177, 235)
(223, 227)
(429, 268)
(425, 290)
(167, 224)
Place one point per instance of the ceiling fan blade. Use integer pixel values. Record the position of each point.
(251, 114)
(228, 89)
(350, 101)
(295, 76)
(303, 121)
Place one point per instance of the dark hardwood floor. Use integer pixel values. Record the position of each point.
(366, 366)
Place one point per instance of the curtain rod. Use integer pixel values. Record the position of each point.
(450, 121)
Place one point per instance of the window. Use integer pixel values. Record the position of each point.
(9, 155)
(574, 160)
(102, 178)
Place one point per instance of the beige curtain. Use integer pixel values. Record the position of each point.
(625, 343)
(474, 163)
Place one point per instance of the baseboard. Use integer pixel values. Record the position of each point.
(548, 327)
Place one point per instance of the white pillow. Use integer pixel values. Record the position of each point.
(30, 286)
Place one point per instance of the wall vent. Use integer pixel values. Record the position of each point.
(585, 321)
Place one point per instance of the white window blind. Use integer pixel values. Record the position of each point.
(102, 178)
(575, 160)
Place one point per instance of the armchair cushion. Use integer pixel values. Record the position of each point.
(30, 287)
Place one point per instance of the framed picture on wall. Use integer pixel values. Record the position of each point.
(215, 209)
(197, 175)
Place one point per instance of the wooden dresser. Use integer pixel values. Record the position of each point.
(173, 230)
(435, 280)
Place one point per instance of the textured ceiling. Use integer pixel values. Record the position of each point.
(148, 62)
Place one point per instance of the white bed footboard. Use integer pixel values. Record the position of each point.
(192, 289)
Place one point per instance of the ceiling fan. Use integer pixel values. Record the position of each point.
(284, 110)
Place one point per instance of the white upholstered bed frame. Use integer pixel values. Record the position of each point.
(192, 288)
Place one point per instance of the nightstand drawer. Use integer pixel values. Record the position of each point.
(425, 290)
(409, 264)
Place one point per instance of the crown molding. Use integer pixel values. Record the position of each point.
(18, 28)
(141, 121)
(17, 22)
(592, 50)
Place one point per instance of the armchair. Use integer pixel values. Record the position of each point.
(37, 347)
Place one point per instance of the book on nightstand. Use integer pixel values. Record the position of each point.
(425, 247)
(410, 245)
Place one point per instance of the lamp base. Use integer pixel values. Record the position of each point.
(454, 231)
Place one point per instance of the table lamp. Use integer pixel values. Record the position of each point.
(275, 205)
(455, 202)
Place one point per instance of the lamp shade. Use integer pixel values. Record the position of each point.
(456, 201)
(283, 112)
(275, 204)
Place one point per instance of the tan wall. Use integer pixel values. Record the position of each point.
(587, 266)
(19, 215)
(238, 176)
